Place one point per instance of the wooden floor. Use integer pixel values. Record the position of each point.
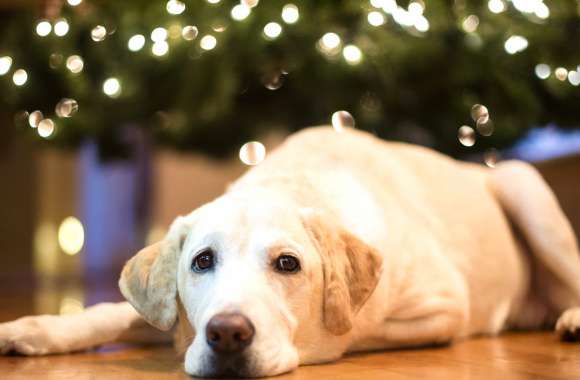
(537, 355)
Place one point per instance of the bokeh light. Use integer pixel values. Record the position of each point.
(20, 77)
(71, 235)
(240, 12)
(290, 14)
(112, 87)
(43, 28)
(61, 28)
(252, 153)
(5, 64)
(466, 135)
(272, 30)
(136, 42)
(98, 33)
(341, 120)
(352, 54)
(75, 64)
(189, 32)
(35, 118)
(45, 128)
(66, 107)
(175, 7)
(208, 42)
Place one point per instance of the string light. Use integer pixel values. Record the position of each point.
(35, 118)
(160, 48)
(61, 28)
(352, 54)
(290, 13)
(5, 64)
(496, 6)
(516, 44)
(45, 128)
(240, 12)
(272, 30)
(175, 7)
(189, 32)
(43, 28)
(74, 3)
(98, 33)
(75, 64)
(20, 77)
(112, 87)
(252, 153)
(136, 42)
(341, 120)
(542, 71)
(159, 34)
(208, 42)
(376, 18)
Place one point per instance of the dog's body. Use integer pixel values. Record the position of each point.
(398, 246)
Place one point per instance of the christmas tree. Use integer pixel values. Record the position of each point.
(211, 75)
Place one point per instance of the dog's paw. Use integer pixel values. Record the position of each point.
(568, 325)
(27, 336)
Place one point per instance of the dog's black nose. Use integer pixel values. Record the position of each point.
(229, 332)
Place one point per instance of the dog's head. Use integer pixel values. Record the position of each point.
(258, 286)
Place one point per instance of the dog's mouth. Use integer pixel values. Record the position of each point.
(230, 365)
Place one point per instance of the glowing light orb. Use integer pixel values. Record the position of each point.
(252, 153)
(5, 64)
(75, 64)
(208, 42)
(66, 108)
(240, 12)
(272, 30)
(352, 54)
(290, 13)
(71, 235)
(466, 135)
(45, 128)
(136, 42)
(20, 77)
(341, 120)
(43, 28)
(112, 87)
(189, 32)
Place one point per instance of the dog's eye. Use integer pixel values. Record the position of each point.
(287, 264)
(203, 261)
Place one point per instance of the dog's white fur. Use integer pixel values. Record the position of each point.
(399, 246)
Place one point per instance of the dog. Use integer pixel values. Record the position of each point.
(336, 243)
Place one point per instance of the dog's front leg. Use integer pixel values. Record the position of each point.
(51, 334)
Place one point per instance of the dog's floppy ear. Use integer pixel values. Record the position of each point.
(149, 279)
(351, 270)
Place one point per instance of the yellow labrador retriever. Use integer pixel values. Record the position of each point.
(339, 242)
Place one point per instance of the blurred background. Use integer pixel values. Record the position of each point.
(117, 116)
